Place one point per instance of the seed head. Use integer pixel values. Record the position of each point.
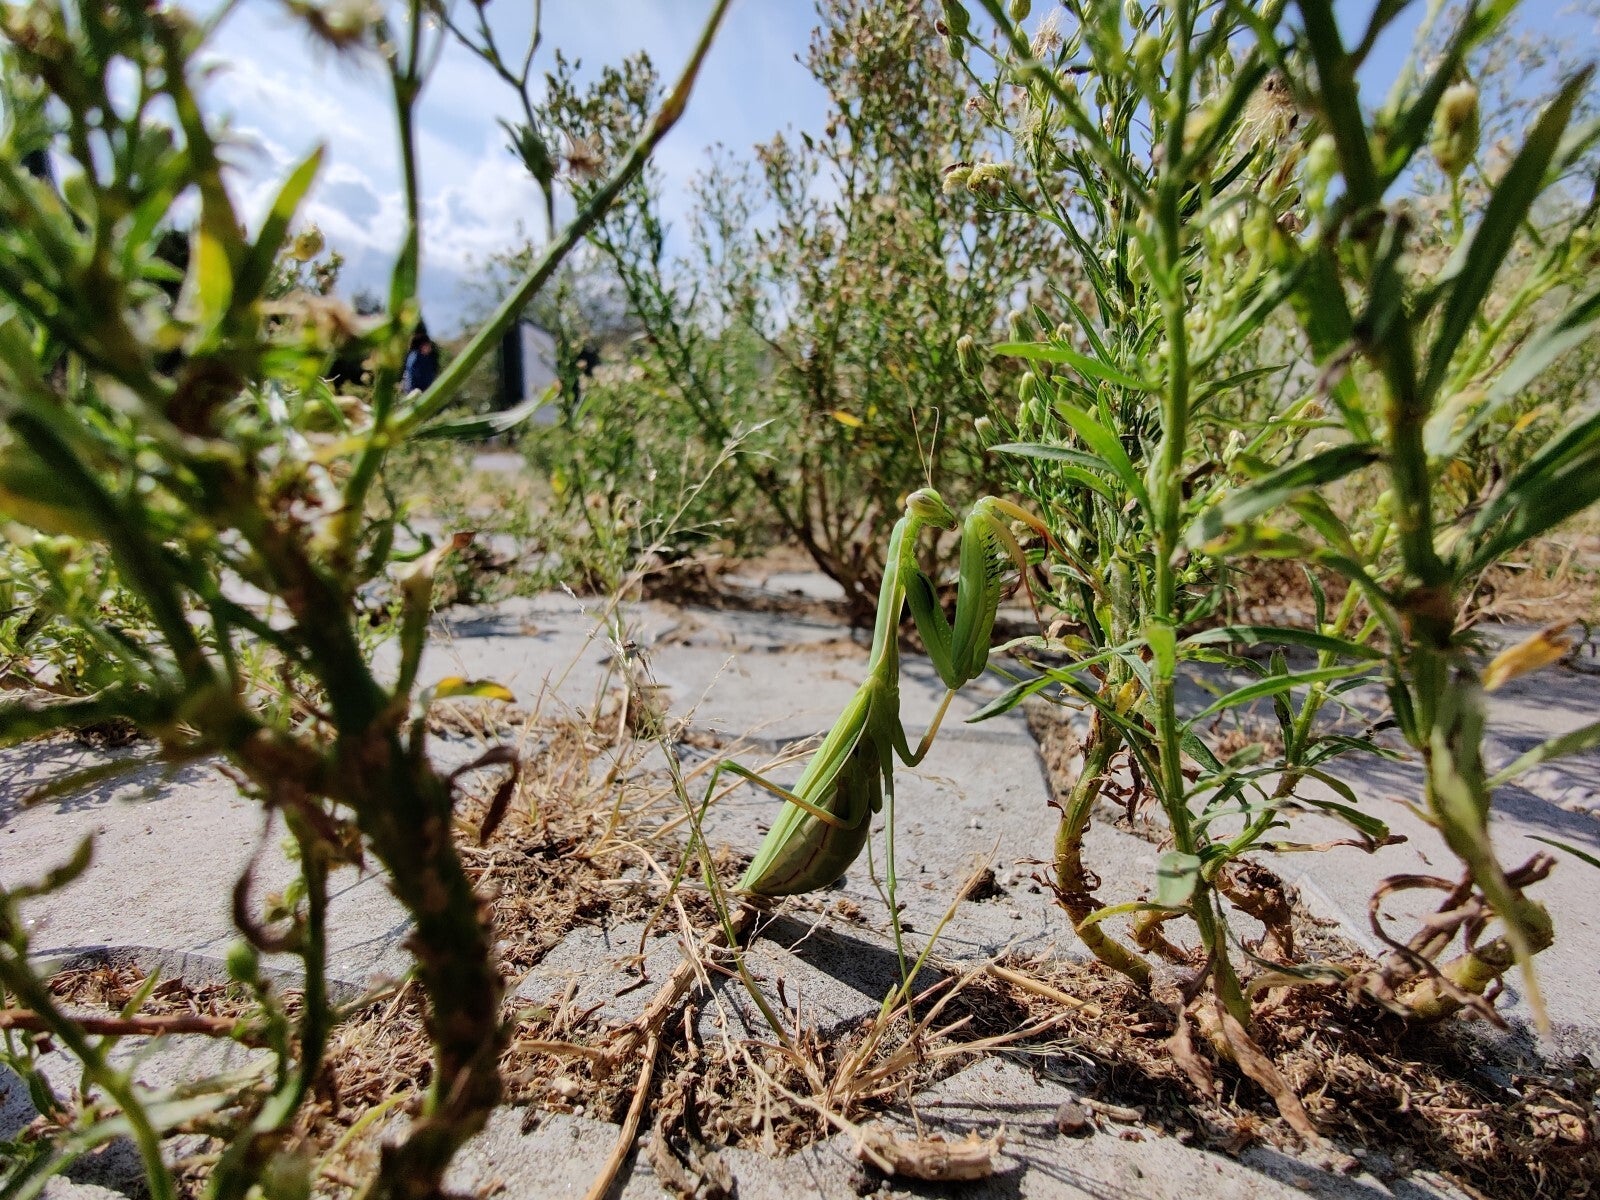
(988, 179)
(1456, 129)
(1047, 38)
(308, 243)
(1271, 113)
(956, 176)
(341, 24)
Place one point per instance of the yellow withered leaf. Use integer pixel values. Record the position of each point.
(848, 420)
(1528, 418)
(454, 687)
(1543, 648)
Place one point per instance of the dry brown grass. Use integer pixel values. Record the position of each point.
(594, 829)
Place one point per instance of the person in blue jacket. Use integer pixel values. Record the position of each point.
(422, 363)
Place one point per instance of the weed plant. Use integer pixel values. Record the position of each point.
(1249, 250)
(827, 316)
(168, 442)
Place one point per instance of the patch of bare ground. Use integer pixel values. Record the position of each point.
(588, 836)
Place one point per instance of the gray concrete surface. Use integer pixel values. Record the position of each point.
(169, 845)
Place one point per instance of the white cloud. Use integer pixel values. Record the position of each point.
(285, 97)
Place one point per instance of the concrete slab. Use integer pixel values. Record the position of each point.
(168, 846)
(971, 800)
(773, 679)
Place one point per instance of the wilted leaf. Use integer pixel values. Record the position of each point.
(1540, 650)
(455, 687)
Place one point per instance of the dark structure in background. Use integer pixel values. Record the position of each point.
(530, 363)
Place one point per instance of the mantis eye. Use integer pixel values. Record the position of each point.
(927, 505)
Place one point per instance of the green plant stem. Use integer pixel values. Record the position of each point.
(1072, 883)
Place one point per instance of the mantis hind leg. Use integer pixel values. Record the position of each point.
(778, 790)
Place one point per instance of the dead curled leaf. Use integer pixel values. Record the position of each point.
(930, 1158)
(1253, 1061)
(1549, 645)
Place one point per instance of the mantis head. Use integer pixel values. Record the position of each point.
(927, 506)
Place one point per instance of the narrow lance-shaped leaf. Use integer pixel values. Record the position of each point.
(258, 266)
(1274, 685)
(1447, 431)
(1094, 368)
(1563, 478)
(1574, 742)
(1270, 635)
(1108, 446)
(1270, 491)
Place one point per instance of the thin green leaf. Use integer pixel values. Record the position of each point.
(1472, 270)
(1272, 490)
(1563, 478)
(1272, 635)
(257, 267)
(1108, 446)
(1580, 855)
(1273, 685)
(481, 426)
(1094, 368)
(1071, 464)
(1575, 742)
(1447, 431)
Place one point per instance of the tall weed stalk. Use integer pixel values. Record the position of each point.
(183, 436)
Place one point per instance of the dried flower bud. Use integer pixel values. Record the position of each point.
(967, 353)
(987, 179)
(1455, 128)
(955, 178)
(1047, 38)
(308, 243)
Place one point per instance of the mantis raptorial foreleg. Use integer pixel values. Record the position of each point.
(825, 820)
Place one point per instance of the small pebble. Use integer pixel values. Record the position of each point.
(1073, 1119)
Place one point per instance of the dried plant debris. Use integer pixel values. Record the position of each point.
(931, 1158)
(590, 836)
(1400, 1098)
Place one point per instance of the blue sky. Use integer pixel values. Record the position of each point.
(285, 96)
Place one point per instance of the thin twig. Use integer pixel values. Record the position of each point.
(147, 1026)
(1039, 988)
(630, 1124)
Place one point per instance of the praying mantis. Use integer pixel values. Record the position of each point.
(826, 816)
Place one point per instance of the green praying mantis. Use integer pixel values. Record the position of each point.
(827, 815)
